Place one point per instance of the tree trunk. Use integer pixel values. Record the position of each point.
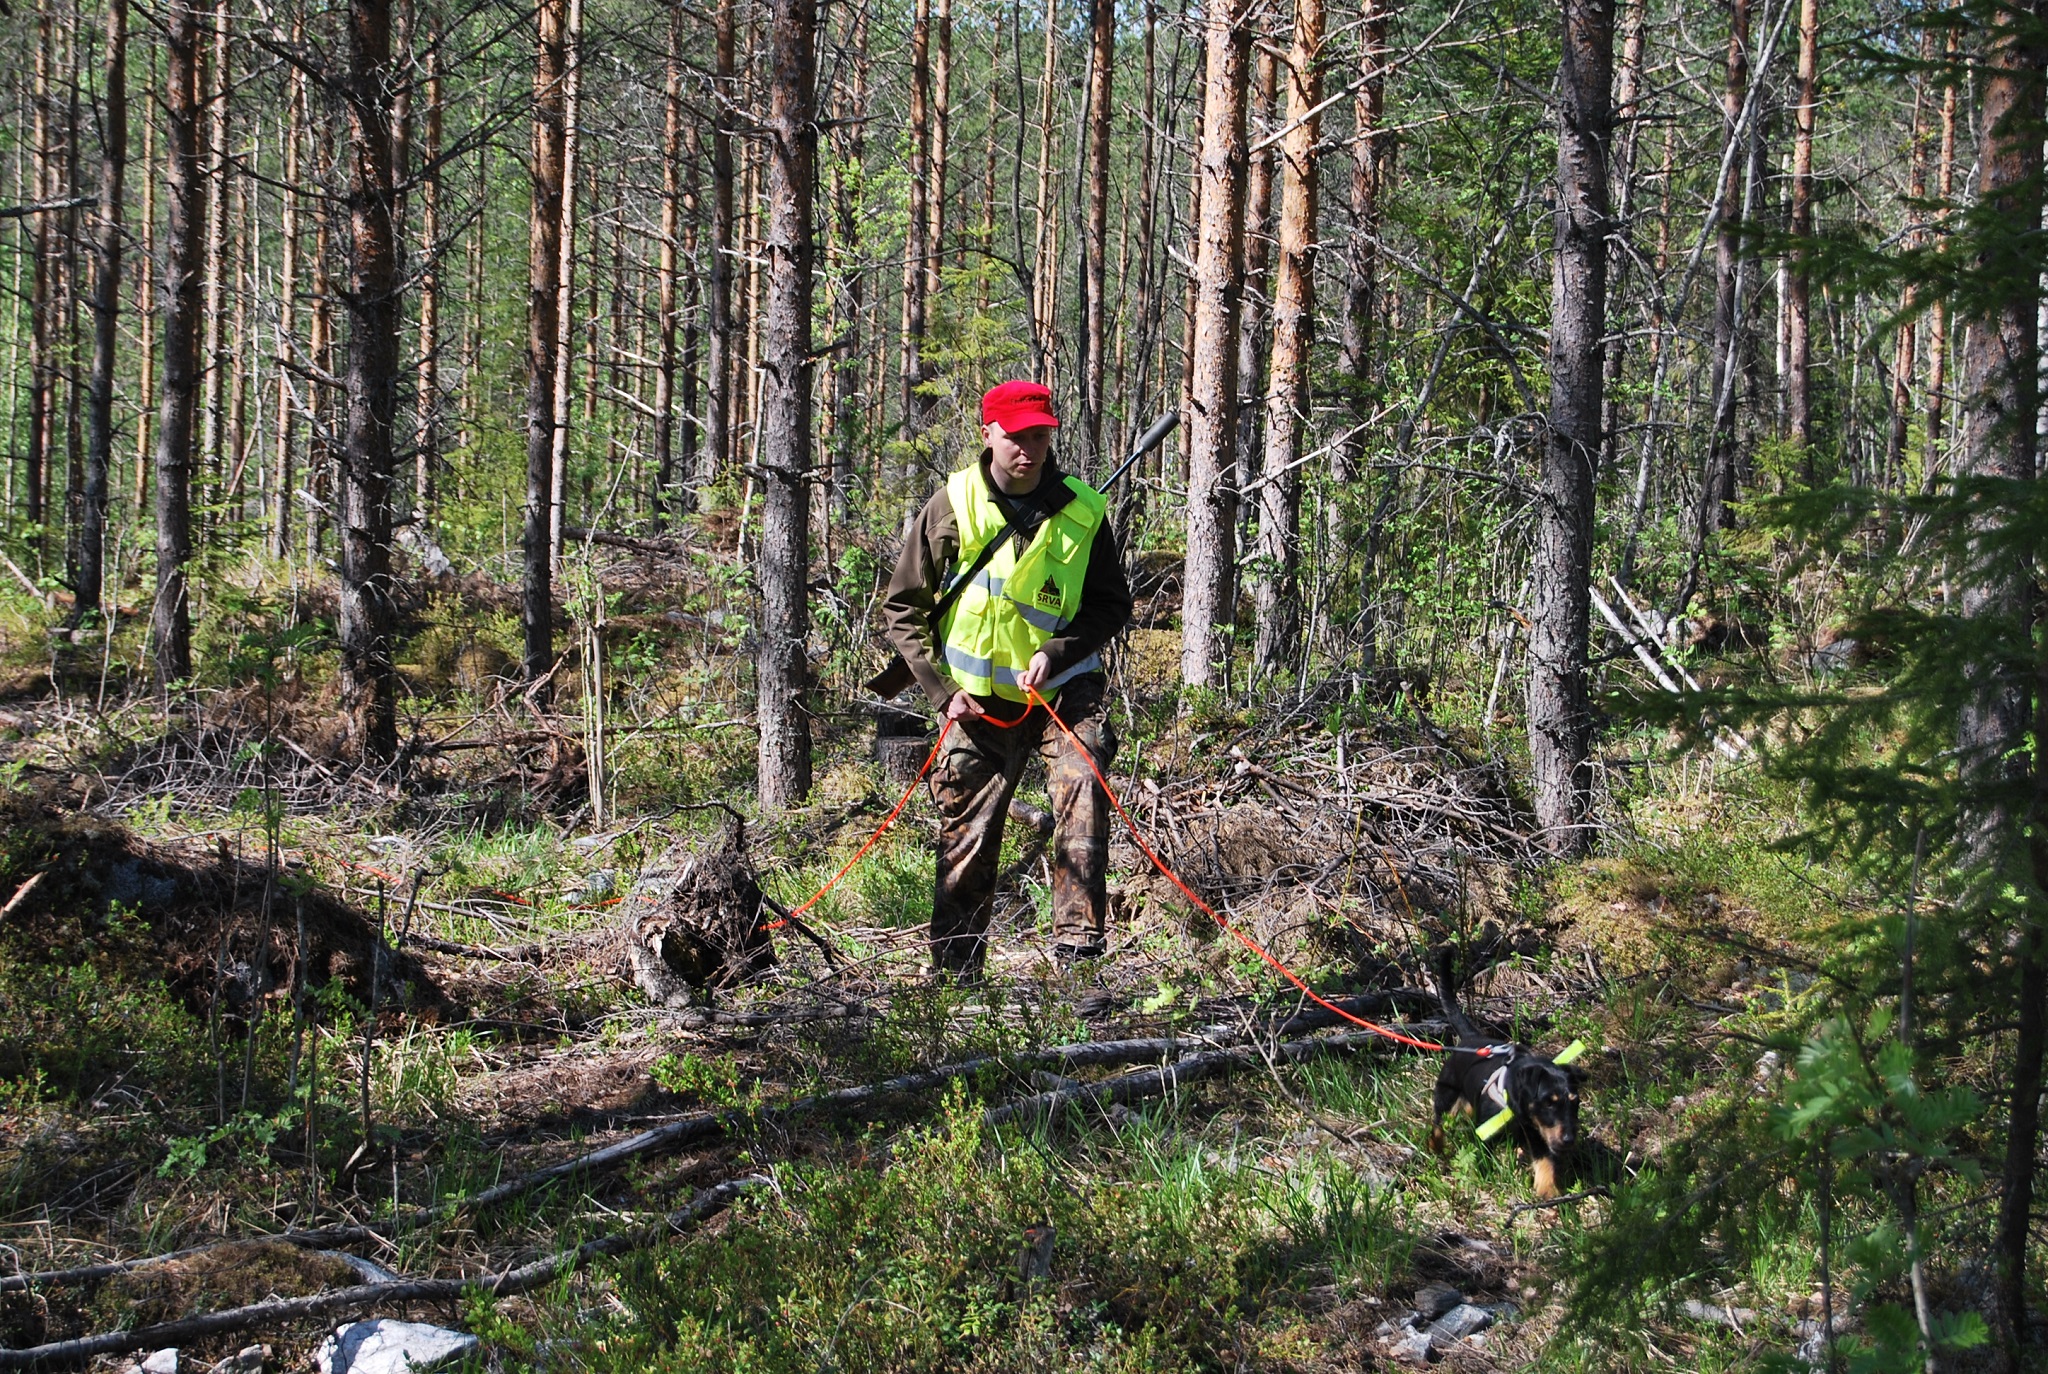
(1905, 343)
(320, 351)
(1560, 575)
(367, 618)
(1277, 594)
(782, 672)
(1208, 585)
(106, 306)
(145, 311)
(185, 192)
(1937, 313)
(665, 269)
(42, 350)
(287, 319)
(565, 292)
(1046, 270)
(1718, 488)
(1628, 94)
(917, 220)
(213, 400)
(1798, 314)
(427, 438)
(942, 116)
(1253, 308)
(1095, 252)
(543, 278)
(2001, 412)
(1361, 265)
(720, 342)
(843, 413)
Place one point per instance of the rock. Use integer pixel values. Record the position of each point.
(1737, 1317)
(161, 1362)
(1461, 1321)
(383, 1346)
(250, 1359)
(1412, 1348)
(1432, 1300)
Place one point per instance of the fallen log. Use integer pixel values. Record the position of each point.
(520, 1279)
(704, 1125)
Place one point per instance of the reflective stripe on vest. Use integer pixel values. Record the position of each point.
(991, 632)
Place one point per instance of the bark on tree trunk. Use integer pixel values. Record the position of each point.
(1361, 267)
(1560, 575)
(1277, 593)
(1906, 342)
(843, 409)
(543, 267)
(427, 438)
(1046, 262)
(565, 291)
(2001, 360)
(918, 217)
(781, 669)
(42, 366)
(719, 342)
(1937, 313)
(287, 319)
(1798, 314)
(106, 306)
(145, 306)
(665, 269)
(1718, 488)
(942, 115)
(1253, 308)
(1208, 585)
(213, 408)
(1095, 253)
(185, 191)
(366, 621)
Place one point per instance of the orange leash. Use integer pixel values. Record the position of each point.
(890, 819)
(1247, 941)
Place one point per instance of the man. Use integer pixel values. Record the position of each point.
(1037, 616)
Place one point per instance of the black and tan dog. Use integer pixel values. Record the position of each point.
(1483, 1077)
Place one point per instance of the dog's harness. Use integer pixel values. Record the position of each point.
(1497, 1082)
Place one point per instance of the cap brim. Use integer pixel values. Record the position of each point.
(1028, 420)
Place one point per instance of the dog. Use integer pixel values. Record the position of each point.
(1482, 1077)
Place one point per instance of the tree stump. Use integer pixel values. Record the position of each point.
(694, 920)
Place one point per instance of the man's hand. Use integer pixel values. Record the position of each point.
(1036, 672)
(962, 706)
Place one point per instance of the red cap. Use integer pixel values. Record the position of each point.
(1017, 405)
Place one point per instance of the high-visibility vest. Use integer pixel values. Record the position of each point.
(1016, 602)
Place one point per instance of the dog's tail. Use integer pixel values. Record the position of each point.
(1446, 994)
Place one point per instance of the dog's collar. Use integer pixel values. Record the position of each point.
(1489, 1051)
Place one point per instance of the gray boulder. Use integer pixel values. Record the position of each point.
(383, 1346)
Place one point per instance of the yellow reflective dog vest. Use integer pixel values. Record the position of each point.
(1017, 602)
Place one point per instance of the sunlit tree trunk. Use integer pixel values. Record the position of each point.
(1208, 582)
(1560, 572)
(1905, 343)
(1798, 314)
(106, 306)
(665, 269)
(1937, 312)
(917, 220)
(184, 195)
(1254, 314)
(427, 437)
(42, 349)
(1361, 263)
(366, 621)
(1095, 251)
(1277, 594)
(213, 399)
(941, 146)
(565, 290)
(720, 340)
(543, 277)
(287, 320)
(1046, 278)
(1718, 488)
(781, 670)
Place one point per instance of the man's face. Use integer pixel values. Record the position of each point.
(1015, 460)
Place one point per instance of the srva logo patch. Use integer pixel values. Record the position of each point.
(1049, 595)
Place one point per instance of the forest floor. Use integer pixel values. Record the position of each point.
(248, 993)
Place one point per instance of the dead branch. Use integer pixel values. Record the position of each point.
(276, 1311)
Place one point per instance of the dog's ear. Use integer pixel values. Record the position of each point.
(1577, 1076)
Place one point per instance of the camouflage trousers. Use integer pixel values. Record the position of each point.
(972, 782)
